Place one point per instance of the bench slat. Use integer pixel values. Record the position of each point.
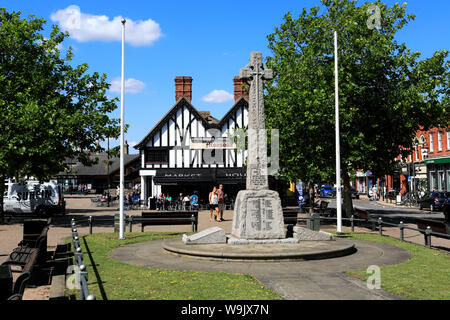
(170, 218)
(436, 226)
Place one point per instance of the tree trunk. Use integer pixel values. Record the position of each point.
(2, 189)
(348, 203)
(311, 198)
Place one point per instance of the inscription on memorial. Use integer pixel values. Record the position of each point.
(259, 215)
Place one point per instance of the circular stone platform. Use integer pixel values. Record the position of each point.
(305, 250)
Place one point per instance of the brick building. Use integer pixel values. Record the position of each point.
(428, 167)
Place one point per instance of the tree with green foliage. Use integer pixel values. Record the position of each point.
(386, 92)
(50, 110)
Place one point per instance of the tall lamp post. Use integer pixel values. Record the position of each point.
(122, 94)
(338, 149)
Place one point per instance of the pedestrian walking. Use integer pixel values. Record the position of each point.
(221, 201)
(213, 204)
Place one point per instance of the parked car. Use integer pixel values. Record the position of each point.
(447, 210)
(353, 192)
(433, 200)
(326, 191)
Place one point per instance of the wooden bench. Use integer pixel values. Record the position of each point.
(363, 214)
(436, 226)
(21, 255)
(290, 215)
(32, 242)
(26, 277)
(156, 218)
(322, 209)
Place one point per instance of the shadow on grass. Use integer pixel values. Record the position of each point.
(97, 275)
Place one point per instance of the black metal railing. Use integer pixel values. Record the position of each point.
(78, 257)
(380, 223)
(374, 223)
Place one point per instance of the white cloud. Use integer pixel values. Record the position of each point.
(132, 86)
(218, 96)
(87, 27)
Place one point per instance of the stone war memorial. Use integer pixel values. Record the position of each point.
(258, 229)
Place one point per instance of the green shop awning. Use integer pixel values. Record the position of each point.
(437, 161)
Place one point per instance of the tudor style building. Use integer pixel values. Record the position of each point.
(187, 150)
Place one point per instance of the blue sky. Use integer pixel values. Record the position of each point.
(207, 40)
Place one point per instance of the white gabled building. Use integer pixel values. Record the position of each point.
(171, 159)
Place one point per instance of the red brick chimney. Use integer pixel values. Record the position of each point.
(183, 88)
(239, 91)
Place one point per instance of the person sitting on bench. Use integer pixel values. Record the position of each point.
(194, 201)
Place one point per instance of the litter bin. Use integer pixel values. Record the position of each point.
(32, 228)
(313, 222)
(399, 200)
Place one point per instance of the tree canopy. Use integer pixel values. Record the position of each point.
(50, 110)
(386, 92)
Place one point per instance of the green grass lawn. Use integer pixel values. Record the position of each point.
(425, 276)
(120, 281)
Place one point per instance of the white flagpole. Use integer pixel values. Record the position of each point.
(338, 148)
(122, 94)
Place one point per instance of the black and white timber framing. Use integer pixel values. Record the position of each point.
(166, 154)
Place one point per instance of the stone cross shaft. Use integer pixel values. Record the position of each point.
(255, 74)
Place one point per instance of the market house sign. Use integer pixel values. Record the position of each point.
(211, 143)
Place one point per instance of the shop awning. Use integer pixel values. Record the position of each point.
(437, 161)
(214, 175)
(231, 175)
(176, 176)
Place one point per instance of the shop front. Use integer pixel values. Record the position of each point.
(190, 181)
(438, 174)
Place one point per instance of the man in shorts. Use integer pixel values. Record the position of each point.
(221, 200)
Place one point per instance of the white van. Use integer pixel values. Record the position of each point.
(35, 198)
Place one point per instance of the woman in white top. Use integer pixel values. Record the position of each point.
(186, 201)
(213, 204)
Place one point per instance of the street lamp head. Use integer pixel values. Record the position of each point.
(123, 21)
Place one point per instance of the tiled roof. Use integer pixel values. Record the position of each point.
(99, 169)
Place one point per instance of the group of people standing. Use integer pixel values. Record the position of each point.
(185, 202)
(165, 202)
(216, 203)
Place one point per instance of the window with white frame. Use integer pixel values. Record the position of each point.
(441, 180)
(439, 141)
(448, 139)
(448, 180)
(431, 143)
(433, 181)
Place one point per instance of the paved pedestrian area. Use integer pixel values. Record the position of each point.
(315, 280)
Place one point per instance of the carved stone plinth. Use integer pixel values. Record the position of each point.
(258, 215)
